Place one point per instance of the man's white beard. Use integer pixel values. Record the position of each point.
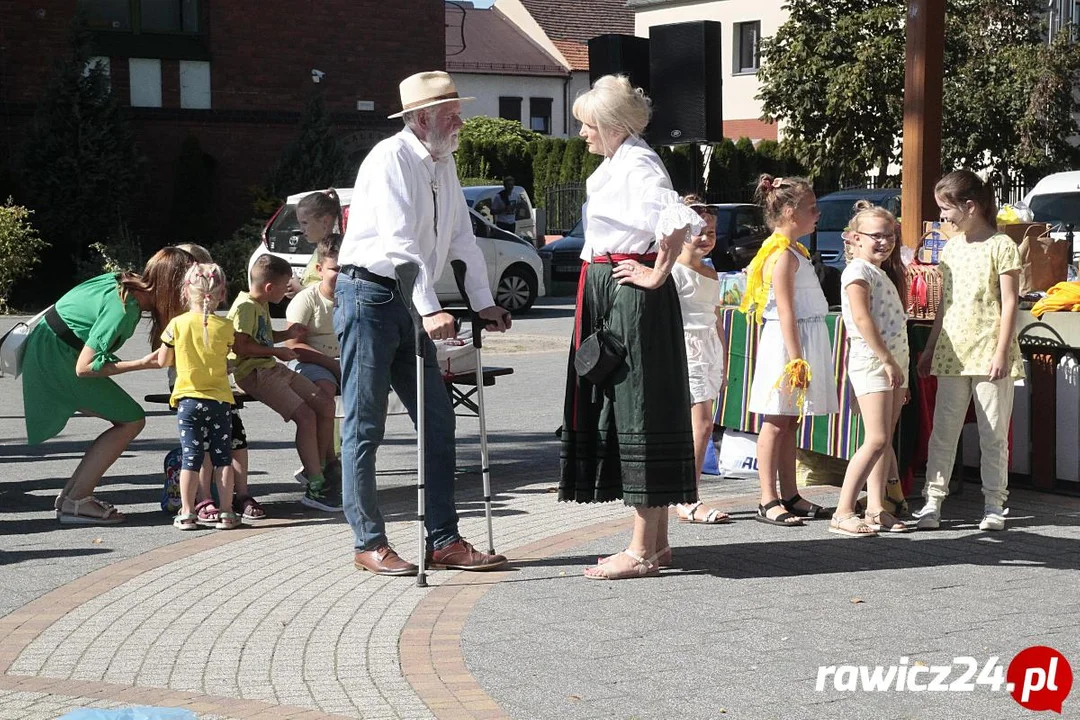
(439, 145)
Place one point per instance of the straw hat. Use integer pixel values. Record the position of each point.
(426, 89)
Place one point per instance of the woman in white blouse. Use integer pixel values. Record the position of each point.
(629, 436)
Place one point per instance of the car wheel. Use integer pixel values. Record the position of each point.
(517, 289)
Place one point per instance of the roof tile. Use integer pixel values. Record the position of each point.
(579, 20)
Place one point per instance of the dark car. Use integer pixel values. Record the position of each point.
(836, 210)
(740, 230)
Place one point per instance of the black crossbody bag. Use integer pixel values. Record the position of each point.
(602, 353)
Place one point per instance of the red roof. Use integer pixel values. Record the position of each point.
(493, 45)
(579, 20)
(577, 54)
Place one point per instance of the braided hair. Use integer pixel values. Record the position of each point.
(204, 290)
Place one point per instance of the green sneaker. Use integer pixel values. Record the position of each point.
(322, 495)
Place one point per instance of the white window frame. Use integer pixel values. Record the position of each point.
(737, 67)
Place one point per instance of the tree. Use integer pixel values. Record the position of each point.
(494, 147)
(80, 167)
(193, 217)
(834, 72)
(314, 159)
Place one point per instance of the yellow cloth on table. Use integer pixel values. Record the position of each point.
(1063, 297)
(758, 280)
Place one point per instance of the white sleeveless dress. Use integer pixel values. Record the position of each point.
(698, 297)
(811, 307)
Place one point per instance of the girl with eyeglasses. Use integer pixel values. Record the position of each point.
(876, 324)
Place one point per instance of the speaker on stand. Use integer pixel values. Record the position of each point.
(620, 55)
(686, 79)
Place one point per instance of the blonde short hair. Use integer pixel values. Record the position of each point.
(614, 104)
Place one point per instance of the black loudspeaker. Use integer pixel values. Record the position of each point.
(686, 82)
(620, 55)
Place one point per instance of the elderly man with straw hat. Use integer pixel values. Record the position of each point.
(407, 207)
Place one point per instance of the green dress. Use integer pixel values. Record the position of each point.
(52, 393)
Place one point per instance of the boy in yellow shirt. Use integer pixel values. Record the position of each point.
(288, 393)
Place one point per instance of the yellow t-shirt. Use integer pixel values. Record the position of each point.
(971, 305)
(251, 317)
(201, 370)
(316, 312)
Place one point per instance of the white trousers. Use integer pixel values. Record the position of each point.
(993, 410)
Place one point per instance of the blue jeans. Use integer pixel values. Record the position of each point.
(378, 353)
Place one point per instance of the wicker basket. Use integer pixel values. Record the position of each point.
(924, 291)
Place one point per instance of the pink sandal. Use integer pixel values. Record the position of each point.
(208, 512)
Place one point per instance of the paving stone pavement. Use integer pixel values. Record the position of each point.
(273, 622)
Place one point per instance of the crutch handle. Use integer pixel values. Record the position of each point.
(478, 323)
(406, 278)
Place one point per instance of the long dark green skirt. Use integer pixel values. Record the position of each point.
(632, 439)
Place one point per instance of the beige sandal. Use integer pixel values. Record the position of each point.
(87, 511)
(640, 568)
(860, 529)
(896, 526)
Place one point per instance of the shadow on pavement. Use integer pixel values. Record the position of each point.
(12, 557)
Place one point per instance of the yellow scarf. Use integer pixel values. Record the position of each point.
(758, 281)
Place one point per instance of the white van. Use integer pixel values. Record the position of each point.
(1056, 200)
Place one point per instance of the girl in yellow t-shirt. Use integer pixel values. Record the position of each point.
(972, 347)
(198, 342)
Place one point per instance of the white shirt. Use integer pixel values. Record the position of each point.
(392, 220)
(506, 213)
(886, 310)
(315, 311)
(698, 297)
(628, 195)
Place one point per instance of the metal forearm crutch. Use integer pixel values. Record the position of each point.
(477, 326)
(406, 278)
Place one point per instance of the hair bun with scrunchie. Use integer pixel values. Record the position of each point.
(766, 184)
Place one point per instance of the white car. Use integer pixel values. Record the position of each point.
(1056, 200)
(515, 272)
(479, 197)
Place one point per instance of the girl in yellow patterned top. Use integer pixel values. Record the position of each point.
(793, 372)
(199, 342)
(972, 347)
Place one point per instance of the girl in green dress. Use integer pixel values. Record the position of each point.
(71, 356)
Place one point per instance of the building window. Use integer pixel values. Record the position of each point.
(145, 78)
(510, 108)
(194, 85)
(540, 115)
(747, 58)
(143, 16)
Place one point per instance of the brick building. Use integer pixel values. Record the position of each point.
(234, 74)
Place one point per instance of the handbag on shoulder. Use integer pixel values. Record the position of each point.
(13, 345)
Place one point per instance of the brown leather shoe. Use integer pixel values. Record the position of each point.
(460, 555)
(383, 561)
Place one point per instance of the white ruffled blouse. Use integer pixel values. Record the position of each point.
(631, 205)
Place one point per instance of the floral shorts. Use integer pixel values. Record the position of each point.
(205, 426)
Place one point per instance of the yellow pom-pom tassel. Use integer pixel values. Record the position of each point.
(796, 379)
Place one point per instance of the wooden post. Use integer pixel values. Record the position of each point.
(923, 73)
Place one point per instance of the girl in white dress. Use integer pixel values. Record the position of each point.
(793, 374)
(876, 323)
(699, 300)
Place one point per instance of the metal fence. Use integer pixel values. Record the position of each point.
(562, 207)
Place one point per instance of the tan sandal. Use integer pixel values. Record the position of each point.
(856, 529)
(896, 526)
(87, 511)
(640, 568)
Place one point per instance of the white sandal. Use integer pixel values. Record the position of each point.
(714, 517)
(74, 512)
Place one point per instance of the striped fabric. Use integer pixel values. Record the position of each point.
(837, 435)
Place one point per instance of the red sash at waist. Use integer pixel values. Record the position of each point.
(619, 257)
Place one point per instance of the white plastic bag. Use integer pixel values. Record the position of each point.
(737, 456)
